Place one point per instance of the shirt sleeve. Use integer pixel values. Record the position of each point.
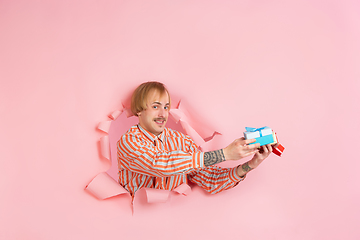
(138, 155)
(214, 179)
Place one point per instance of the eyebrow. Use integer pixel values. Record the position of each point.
(160, 103)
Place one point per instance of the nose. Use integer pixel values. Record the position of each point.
(162, 112)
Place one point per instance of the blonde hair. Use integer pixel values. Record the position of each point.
(140, 95)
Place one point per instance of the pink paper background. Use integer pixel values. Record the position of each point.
(291, 65)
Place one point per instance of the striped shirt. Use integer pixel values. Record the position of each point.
(167, 161)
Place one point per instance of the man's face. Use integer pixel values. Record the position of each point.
(154, 118)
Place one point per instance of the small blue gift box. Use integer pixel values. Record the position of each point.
(262, 135)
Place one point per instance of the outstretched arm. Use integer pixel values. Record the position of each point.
(213, 157)
(258, 158)
(214, 179)
(238, 149)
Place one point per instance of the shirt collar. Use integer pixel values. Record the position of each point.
(151, 136)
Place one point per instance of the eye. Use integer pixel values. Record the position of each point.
(166, 107)
(155, 107)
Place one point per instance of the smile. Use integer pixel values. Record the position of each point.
(160, 121)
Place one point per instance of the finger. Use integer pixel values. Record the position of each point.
(248, 141)
(269, 147)
(266, 148)
(250, 153)
(253, 146)
(261, 151)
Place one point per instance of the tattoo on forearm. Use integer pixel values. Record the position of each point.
(246, 168)
(213, 157)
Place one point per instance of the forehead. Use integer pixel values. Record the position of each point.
(155, 96)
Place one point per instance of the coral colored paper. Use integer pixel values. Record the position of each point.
(156, 195)
(105, 147)
(115, 114)
(104, 126)
(183, 189)
(103, 186)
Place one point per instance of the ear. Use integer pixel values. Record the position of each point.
(138, 114)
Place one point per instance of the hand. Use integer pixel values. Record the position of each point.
(240, 148)
(261, 155)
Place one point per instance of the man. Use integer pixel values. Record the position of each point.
(153, 156)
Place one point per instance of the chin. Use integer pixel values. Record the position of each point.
(160, 130)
